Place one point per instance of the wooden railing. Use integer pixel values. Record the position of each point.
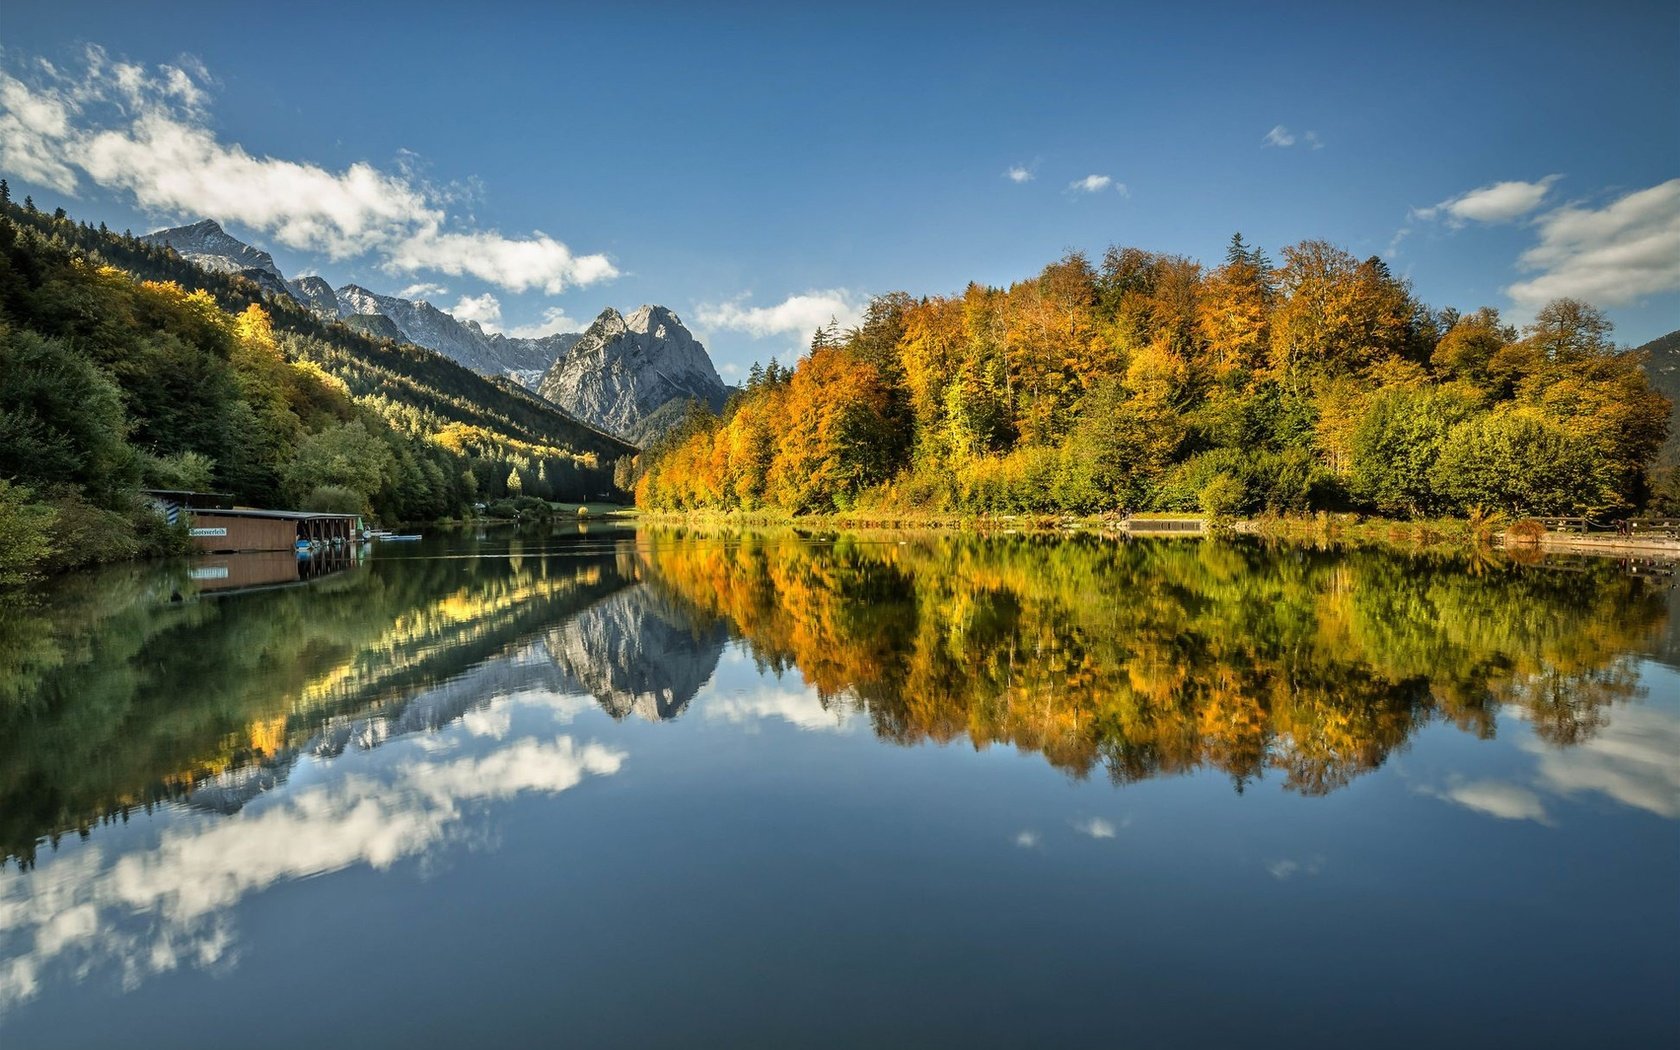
(1665, 528)
(1668, 528)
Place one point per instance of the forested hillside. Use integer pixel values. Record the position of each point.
(122, 366)
(1149, 382)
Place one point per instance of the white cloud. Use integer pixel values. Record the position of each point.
(1096, 184)
(493, 722)
(422, 290)
(1494, 203)
(1283, 138)
(804, 710)
(1497, 799)
(1393, 249)
(539, 261)
(1095, 827)
(146, 912)
(797, 314)
(1631, 760)
(145, 132)
(1609, 256)
(554, 319)
(1027, 839)
(1019, 174)
(1286, 869)
(486, 309)
(30, 126)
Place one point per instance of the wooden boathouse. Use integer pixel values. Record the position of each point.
(227, 529)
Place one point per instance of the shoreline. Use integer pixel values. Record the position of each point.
(1423, 534)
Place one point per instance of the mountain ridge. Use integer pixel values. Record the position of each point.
(629, 376)
(524, 358)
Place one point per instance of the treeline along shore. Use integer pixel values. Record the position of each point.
(123, 367)
(1149, 382)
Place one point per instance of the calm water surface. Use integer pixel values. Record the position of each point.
(662, 788)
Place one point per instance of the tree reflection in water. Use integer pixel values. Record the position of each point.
(1155, 657)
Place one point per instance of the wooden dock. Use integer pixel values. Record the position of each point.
(1181, 526)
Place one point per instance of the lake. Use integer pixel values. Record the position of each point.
(598, 786)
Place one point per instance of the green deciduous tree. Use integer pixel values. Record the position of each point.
(344, 456)
(1400, 435)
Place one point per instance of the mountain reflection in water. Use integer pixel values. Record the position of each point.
(1134, 658)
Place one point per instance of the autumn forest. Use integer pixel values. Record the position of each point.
(1151, 382)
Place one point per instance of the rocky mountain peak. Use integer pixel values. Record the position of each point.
(358, 299)
(653, 320)
(623, 370)
(607, 323)
(317, 295)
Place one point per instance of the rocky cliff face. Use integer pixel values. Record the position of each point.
(623, 369)
(528, 360)
(425, 325)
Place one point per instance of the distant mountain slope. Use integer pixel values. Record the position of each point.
(208, 245)
(1663, 366)
(624, 369)
(316, 294)
(488, 353)
(423, 324)
(662, 420)
(428, 387)
(376, 325)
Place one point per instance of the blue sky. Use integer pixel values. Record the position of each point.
(756, 167)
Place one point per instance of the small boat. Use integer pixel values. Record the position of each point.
(389, 538)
